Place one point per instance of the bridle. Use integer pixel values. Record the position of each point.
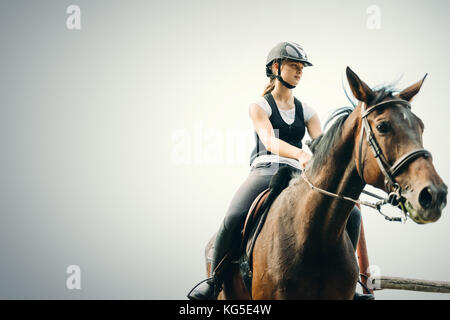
(389, 172)
(394, 190)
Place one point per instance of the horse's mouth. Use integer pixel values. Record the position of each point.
(422, 216)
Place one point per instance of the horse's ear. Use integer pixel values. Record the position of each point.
(360, 89)
(409, 93)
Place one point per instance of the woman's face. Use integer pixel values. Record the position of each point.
(291, 71)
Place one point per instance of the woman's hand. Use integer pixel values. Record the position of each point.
(304, 158)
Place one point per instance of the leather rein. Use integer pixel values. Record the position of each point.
(394, 197)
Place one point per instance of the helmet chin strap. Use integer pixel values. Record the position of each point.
(284, 83)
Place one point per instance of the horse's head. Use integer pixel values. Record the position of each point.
(389, 151)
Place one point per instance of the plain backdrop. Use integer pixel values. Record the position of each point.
(123, 142)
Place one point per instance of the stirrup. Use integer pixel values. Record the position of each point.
(216, 279)
(213, 282)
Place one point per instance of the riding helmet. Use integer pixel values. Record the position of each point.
(285, 50)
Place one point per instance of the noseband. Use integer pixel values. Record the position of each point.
(395, 197)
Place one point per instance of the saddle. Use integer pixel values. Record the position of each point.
(254, 215)
(257, 216)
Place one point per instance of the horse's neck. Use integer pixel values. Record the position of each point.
(338, 175)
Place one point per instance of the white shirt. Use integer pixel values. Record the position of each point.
(288, 117)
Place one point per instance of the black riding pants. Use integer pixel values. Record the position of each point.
(257, 181)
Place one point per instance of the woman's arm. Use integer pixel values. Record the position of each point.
(267, 136)
(314, 127)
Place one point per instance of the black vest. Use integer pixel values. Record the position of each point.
(292, 134)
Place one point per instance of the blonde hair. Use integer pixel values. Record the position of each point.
(269, 87)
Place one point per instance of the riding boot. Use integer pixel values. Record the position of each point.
(210, 288)
(363, 296)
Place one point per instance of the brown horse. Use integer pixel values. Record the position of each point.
(303, 250)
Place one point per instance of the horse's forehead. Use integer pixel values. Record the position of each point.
(402, 117)
(403, 113)
(405, 118)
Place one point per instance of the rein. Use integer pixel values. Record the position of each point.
(376, 205)
(394, 197)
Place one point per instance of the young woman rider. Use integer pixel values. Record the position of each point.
(280, 121)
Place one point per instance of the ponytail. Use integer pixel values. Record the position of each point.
(269, 87)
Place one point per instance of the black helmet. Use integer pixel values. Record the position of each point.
(285, 50)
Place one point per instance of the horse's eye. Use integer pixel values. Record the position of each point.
(383, 127)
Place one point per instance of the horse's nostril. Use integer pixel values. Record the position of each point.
(442, 197)
(426, 198)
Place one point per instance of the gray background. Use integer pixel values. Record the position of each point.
(90, 125)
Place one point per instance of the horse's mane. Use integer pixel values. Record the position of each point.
(321, 145)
